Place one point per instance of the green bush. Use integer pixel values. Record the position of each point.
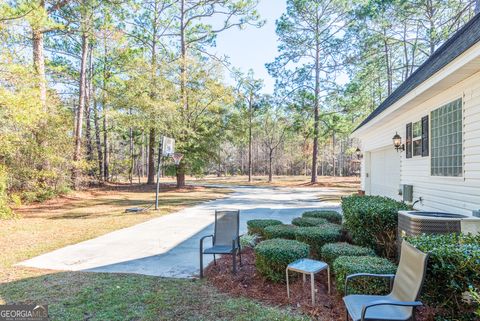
(257, 226)
(318, 236)
(308, 221)
(282, 231)
(273, 256)
(329, 252)
(346, 265)
(372, 221)
(453, 267)
(331, 216)
(5, 211)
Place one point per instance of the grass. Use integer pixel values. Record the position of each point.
(286, 181)
(68, 220)
(100, 296)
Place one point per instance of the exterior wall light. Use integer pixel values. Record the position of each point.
(397, 143)
(358, 152)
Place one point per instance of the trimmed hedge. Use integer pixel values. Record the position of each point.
(273, 256)
(372, 221)
(258, 226)
(453, 266)
(331, 216)
(318, 236)
(329, 252)
(309, 221)
(282, 231)
(346, 265)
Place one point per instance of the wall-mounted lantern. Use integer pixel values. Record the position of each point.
(358, 152)
(397, 143)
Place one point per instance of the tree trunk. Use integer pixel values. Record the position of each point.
(477, 6)
(80, 111)
(250, 138)
(39, 58)
(389, 69)
(106, 155)
(88, 106)
(151, 157)
(333, 155)
(316, 114)
(183, 63)
(181, 175)
(270, 167)
(98, 142)
(132, 156)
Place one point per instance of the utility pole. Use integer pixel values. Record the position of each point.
(159, 168)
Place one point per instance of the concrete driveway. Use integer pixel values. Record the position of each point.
(168, 246)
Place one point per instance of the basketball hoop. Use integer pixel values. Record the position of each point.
(177, 157)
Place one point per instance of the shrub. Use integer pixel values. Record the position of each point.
(282, 231)
(372, 221)
(346, 265)
(248, 240)
(273, 256)
(318, 236)
(308, 221)
(329, 252)
(453, 266)
(5, 211)
(257, 226)
(331, 216)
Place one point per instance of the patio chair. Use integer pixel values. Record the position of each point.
(226, 238)
(400, 304)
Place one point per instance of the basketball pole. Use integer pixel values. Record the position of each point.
(159, 168)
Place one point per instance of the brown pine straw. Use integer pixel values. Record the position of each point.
(249, 283)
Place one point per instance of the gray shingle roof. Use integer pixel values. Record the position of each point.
(462, 40)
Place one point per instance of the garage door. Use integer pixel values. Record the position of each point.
(385, 172)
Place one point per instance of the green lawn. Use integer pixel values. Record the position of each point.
(101, 296)
(98, 296)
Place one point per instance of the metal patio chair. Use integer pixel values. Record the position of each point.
(226, 238)
(400, 304)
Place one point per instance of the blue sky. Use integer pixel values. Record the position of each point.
(253, 47)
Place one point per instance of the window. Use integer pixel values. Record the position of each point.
(417, 138)
(446, 133)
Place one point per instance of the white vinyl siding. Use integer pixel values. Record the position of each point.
(451, 194)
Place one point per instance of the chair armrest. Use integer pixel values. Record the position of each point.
(389, 302)
(357, 275)
(201, 242)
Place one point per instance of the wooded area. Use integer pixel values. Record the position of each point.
(88, 87)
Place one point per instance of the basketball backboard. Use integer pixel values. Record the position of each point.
(168, 146)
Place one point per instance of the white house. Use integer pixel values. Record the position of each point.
(436, 112)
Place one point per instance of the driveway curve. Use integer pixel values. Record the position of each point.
(168, 246)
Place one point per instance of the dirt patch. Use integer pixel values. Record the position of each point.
(249, 283)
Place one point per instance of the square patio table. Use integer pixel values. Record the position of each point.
(308, 266)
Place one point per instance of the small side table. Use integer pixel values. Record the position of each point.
(308, 266)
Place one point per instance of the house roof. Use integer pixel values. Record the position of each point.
(462, 40)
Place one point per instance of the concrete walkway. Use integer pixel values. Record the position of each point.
(168, 246)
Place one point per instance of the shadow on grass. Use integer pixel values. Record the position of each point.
(104, 296)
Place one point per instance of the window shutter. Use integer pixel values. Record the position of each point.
(425, 138)
(408, 143)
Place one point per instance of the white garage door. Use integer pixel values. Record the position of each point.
(385, 172)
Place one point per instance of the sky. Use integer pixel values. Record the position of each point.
(253, 47)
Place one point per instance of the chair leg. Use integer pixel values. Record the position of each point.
(214, 260)
(201, 265)
(234, 262)
(240, 254)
